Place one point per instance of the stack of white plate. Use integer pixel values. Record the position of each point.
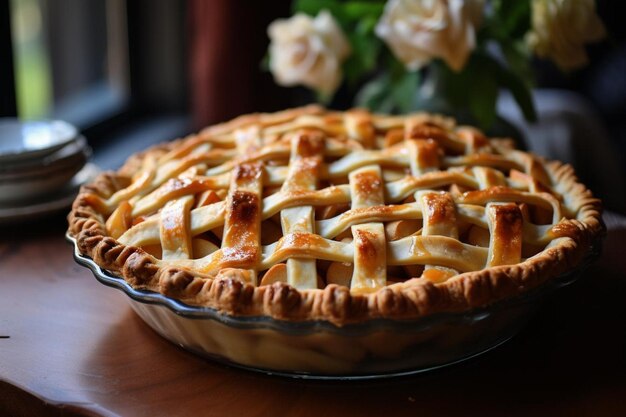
(42, 165)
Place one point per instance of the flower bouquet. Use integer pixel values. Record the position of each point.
(449, 56)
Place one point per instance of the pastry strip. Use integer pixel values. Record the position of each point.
(440, 218)
(370, 258)
(174, 229)
(241, 243)
(304, 166)
(505, 227)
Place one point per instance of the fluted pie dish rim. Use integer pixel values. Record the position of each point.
(195, 312)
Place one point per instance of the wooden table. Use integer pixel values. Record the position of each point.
(71, 346)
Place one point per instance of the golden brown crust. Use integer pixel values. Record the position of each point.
(232, 291)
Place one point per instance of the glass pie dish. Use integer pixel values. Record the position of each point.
(336, 244)
(318, 349)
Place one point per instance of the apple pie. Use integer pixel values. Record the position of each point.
(317, 215)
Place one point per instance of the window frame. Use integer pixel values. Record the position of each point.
(8, 100)
(143, 17)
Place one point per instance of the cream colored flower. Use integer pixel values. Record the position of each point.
(308, 51)
(561, 28)
(419, 30)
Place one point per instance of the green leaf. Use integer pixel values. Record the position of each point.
(313, 7)
(404, 91)
(486, 76)
(482, 95)
(520, 91)
(366, 48)
(387, 105)
(450, 89)
(366, 26)
(386, 94)
(363, 59)
(518, 59)
(346, 13)
(323, 98)
(374, 95)
(512, 17)
(357, 10)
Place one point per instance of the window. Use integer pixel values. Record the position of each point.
(107, 66)
(70, 58)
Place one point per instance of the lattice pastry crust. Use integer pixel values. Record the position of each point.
(311, 214)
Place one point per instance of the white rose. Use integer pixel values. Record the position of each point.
(561, 28)
(419, 30)
(308, 51)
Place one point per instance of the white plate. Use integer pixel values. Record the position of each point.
(20, 140)
(75, 152)
(58, 201)
(36, 182)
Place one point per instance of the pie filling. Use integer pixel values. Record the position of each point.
(309, 199)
